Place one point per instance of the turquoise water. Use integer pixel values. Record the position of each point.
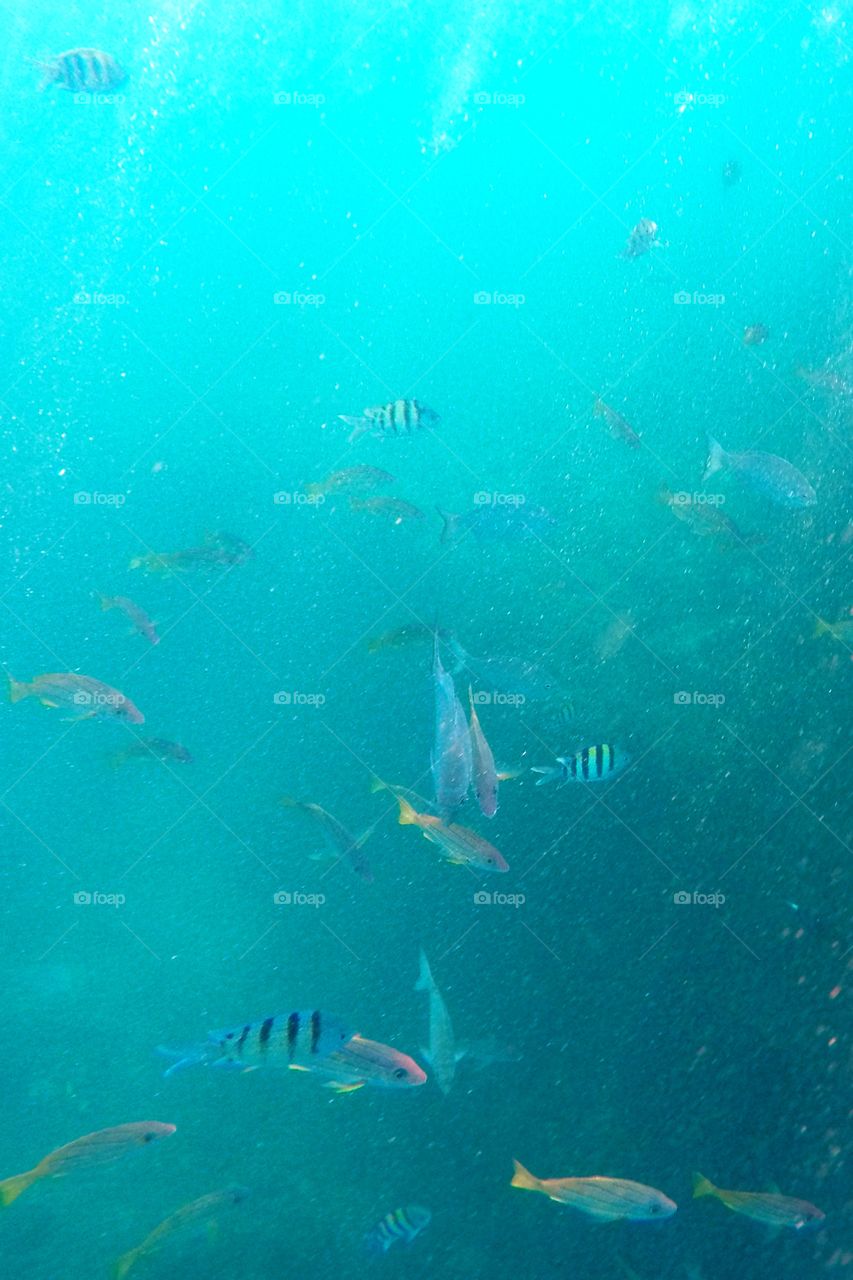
(291, 214)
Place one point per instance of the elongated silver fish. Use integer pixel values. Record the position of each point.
(396, 418)
(451, 758)
(83, 70)
(341, 843)
(483, 764)
(283, 1040)
(441, 1054)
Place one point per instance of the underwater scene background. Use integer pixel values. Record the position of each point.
(503, 214)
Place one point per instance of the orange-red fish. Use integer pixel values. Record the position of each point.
(101, 1147)
(619, 428)
(362, 1062)
(84, 694)
(137, 616)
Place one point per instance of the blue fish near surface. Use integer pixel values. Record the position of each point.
(493, 522)
(84, 71)
(775, 478)
(399, 1224)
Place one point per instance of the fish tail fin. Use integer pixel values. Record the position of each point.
(105, 602)
(376, 784)
(425, 979)
(821, 628)
(716, 458)
(17, 689)
(523, 1178)
(359, 425)
(552, 773)
(407, 817)
(451, 525)
(289, 802)
(702, 1186)
(194, 1056)
(122, 1265)
(11, 1188)
(598, 407)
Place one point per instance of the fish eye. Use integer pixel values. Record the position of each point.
(400, 1073)
(654, 1207)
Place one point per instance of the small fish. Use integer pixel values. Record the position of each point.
(395, 509)
(619, 427)
(152, 749)
(399, 637)
(397, 418)
(89, 697)
(496, 522)
(400, 1224)
(755, 334)
(338, 839)
(842, 631)
(441, 1055)
(826, 380)
(485, 777)
(458, 845)
(731, 173)
(97, 1148)
(705, 519)
(613, 637)
(593, 764)
(768, 1207)
(83, 70)
(450, 760)
(220, 551)
(776, 478)
(282, 1041)
(142, 623)
(367, 1062)
(352, 480)
(607, 1199)
(643, 237)
(184, 1221)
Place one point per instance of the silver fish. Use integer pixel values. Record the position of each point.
(776, 478)
(441, 1054)
(451, 755)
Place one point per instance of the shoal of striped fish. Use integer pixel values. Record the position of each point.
(593, 764)
(363, 1062)
(101, 1147)
(396, 418)
(83, 70)
(399, 1224)
(607, 1199)
(281, 1041)
(202, 1212)
(458, 845)
(441, 1054)
(769, 1207)
(340, 842)
(775, 478)
(451, 759)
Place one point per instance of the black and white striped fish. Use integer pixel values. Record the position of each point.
(397, 418)
(593, 764)
(283, 1040)
(83, 70)
(399, 1224)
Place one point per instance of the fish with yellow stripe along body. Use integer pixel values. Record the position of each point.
(189, 1218)
(101, 1147)
(770, 1207)
(606, 1199)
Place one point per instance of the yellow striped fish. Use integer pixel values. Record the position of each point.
(769, 1207)
(593, 764)
(607, 1199)
(200, 1212)
(396, 418)
(83, 70)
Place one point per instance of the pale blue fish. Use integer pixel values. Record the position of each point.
(451, 759)
(441, 1054)
(496, 523)
(775, 478)
(483, 765)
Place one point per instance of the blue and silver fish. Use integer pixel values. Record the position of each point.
(441, 1054)
(451, 759)
(399, 1224)
(83, 70)
(283, 1040)
(593, 764)
(775, 478)
(396, 418)
(496, 523)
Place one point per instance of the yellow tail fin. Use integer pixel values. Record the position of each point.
(17, 689)
(11, 1188)
(123, 1264)
(702, 1187)
(408, 816)
(821, 628)
(523, 1178)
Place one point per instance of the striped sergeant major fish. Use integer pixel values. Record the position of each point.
(283, 1041)
(83, 70)
(593, 764)
(396, 418)
(399, 1224)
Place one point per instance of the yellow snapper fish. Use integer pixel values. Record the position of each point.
(200, 1213)
(101, 1147)
(458, 845)
(769, 1207)
(363, 1062)
(607, 1199)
